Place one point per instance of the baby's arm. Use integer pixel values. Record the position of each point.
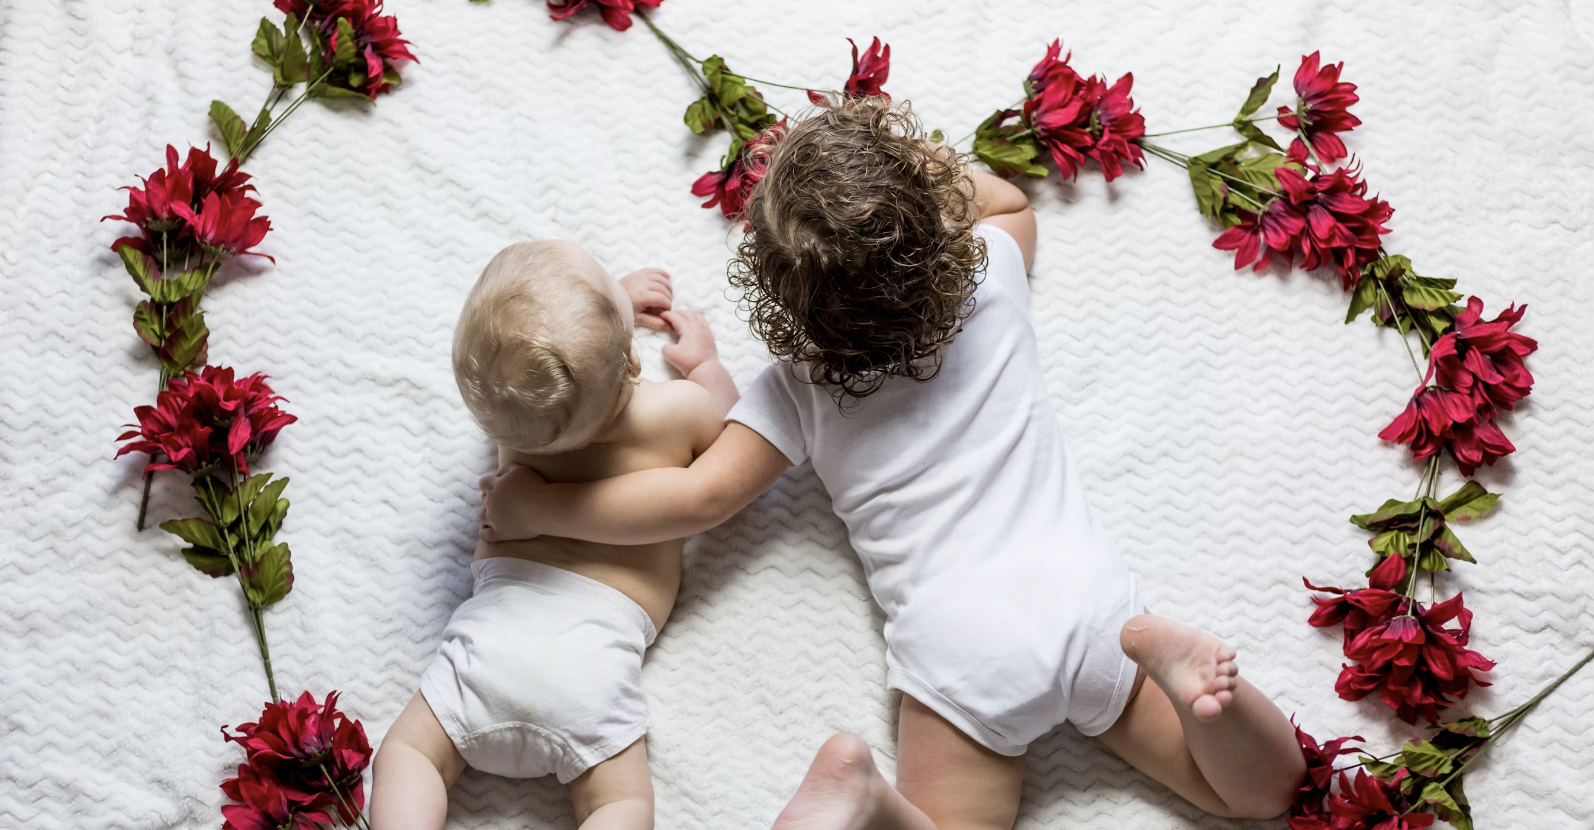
(638, 508)
(696, 357)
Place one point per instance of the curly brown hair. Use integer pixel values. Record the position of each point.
(861, 259)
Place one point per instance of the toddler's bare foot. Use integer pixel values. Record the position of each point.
(1194, 668)
(843, 790)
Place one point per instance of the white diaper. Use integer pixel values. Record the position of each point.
(538, 671)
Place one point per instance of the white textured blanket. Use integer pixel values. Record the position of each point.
(1225, 422)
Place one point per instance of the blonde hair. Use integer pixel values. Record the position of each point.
(541, 356)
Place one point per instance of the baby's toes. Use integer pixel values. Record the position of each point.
(1224, 697)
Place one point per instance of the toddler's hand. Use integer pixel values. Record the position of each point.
(694, 345)
(508, 501)
(651, 294)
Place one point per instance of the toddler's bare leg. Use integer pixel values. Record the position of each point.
(1200, 728)
(413, 771)
(616, 794)
(955, 780)
(845, 791)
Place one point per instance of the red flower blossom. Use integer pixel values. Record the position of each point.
(871, 72)
(1078, 118)
(1483, 360)
(1309, 797)
(1440, 419)
(1414, 661)
(616, 13)
(1371, 804)
(1357, 610)
(378, 41)
(203, 419)
(1321, 110)
(1324, 220)
(153, 208)
(730, 187)
(266, 804)
(226, 225)
(309, 748)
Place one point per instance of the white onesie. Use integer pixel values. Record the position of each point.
(1003, 595)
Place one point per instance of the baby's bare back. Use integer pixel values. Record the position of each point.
(664, 425)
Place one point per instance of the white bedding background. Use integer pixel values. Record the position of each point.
(1225, 422)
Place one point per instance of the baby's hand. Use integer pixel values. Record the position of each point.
(508, 502)
(651, 294)
(694, 345)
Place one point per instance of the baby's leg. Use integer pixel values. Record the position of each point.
(616, 794)
(1200, 728)
(413, 771)
(956, 781)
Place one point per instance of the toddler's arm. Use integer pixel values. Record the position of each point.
(638, 508)
(1001, 204)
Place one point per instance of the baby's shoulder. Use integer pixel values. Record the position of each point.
(675, 410)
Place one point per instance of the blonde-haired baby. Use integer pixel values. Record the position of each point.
(538, 670)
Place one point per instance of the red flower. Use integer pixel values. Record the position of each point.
(203, 419)
(1309, 797)
(1277, 228)
(1483, 360)
(1356, 610)
(1050, 68)
(309, 748)
(1371, 804)
(1343, 226)
(871, 72)
(266, 804)
(1079, 118)
(616, 13)
(1321, 110)
(1414, 661)
(377, 38)
(153, 208)
(730, 187)
(226, 225)
(1438, 418)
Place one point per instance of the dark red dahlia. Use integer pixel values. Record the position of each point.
(870, 72)
(1276, 229)
(616, 13)
(1371, 804)
(1321, 110)
(1484, 360)
(1319, 779)
(266, 804)
(1050, 68)
(1078, 118)
(1343, 226)
(1415, 662)
(1357, 610)
(310, 749)
(158, 207)
(378, 43)
(730, 187)
(1441, 419)
(225, 225)
(207, 418)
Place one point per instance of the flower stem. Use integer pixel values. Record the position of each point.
(359, 819)
(256, 615)
(245, 151)
(1394, 315)
(1184, 161)
(1309, 148)
(1212, 127)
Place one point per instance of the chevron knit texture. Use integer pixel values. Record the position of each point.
(1225, 422)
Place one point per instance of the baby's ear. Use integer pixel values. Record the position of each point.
(633, 364)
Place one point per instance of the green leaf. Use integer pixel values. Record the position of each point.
(1393, 266)
(188, 283)
(1259, 95)
(1391, 509)
(1211, 191)
(147, 322)
(327, 90)
(1363, 298)
(1433, 560)
(937, 137)
(1434, 793)
(1260, 170)
(1469, 502)
(231, 126)
(268, 42)
(1425, 759)
(1427, 293)
(1007, 158)
(1250, 130)
(1379, 769)
(1391, 543)
(1451, 546)
(295, 65)
(348, 46)
(141, 267)
(1473, 727)
(197, 532)
(213, 563)
(187, 340)
(1462, 818)
(270, 578)
(263, 506)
